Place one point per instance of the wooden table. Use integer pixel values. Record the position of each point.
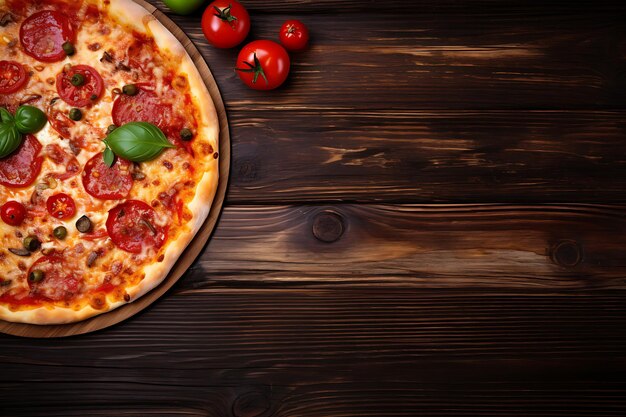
(425, 221)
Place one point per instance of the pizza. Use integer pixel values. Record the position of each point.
(101, 200)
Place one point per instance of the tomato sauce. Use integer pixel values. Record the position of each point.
(28, 300)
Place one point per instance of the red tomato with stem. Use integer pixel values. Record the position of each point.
(13, 213)
(225, 23)
(61, 206)
(263, 65)
(294, 36)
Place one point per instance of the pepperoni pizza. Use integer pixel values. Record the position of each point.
(81, 235)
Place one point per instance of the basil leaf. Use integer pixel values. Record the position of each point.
(5, 116)
(109, 157)
(137, 141)
(29, 119)
(10, 139)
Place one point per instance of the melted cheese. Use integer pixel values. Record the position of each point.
(167, 174)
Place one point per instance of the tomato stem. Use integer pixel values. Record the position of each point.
(257, 69)
(224, 14)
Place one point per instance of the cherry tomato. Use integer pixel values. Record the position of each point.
(294, 35)
(61, 206)
(263, 65)
(87, 92)
(13, 213)
(225, 23)
(12, 77)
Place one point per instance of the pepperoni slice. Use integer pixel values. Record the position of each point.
(131, 227)
(145, 106)
(140, 52)
(44, 33)
(60, 122)
(60, 157)
(12, 77)
(85, 94)
(61, 206)
(22, 167)
(106, 183)
(59, 281)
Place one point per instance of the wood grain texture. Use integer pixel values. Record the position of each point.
(428, 156)
(352, 352)
(302, 305)
(366, 61)
(389, 108)
(549, 247)
(304, 7)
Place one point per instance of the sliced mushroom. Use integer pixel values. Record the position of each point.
(135, 172)
(91, 259)
(106, 57)
(29, 98)
(122, 67)
(148, 225)
(19, 251)
(6, 18)
(39, 188)
(138, 176)
(75, 149)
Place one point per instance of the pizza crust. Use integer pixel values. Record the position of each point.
(141, 19)
(134, 15)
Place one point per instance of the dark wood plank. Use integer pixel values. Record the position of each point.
(440, 6)
(499, 57)
(413, 310)
(439, 61)
(426, 156)
(352, 352)
(549, 247)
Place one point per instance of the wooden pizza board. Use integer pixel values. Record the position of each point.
(195, 247)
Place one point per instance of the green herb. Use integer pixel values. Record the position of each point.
(109, 157)
(5, 116)
(29, 119)
(137, 142)
(10, 139)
